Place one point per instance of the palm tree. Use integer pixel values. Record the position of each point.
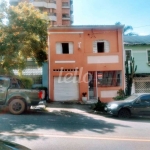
(127, 29)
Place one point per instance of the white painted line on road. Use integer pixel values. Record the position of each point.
(77, 137)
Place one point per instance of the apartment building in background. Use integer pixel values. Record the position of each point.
(60, 12)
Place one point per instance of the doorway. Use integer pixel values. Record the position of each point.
(92, 84)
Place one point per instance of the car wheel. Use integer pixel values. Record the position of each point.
(16, 106)
(124, 113)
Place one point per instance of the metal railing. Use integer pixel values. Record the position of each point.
(47, 1)
(142, 84)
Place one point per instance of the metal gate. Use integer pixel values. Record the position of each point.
(142, 84)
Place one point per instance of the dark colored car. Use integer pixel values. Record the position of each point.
(137, 104)
(6, 145)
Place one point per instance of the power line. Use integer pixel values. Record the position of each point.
(142, 26)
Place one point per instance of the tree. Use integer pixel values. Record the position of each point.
(23, 35)
(127, 30)
(130, 69)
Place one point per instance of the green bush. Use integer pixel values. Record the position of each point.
(27, 82)
(99, 106)
(119, 98)
(120, 95)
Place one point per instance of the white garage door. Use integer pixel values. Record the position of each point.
(66, 88)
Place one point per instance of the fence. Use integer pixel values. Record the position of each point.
(142, 84)
(32, 71)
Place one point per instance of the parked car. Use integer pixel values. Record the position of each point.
(137, 104)
(18, 98)
(6, 145)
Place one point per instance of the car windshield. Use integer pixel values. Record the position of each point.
(131, 98)
(4, 82)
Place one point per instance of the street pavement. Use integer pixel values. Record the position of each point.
(73, 126)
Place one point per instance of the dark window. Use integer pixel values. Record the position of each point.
(65, 48)
(148, 53)
(65, 15)
(14, 84)
(108, 78)
(100, 47)
(21, 85)
(145, 99)
(4, 82)
(128, 54)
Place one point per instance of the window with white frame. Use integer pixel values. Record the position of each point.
(148, 55)
(127, 54)
(64, 48)
(101, 46)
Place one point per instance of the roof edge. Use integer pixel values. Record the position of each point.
(86, 27)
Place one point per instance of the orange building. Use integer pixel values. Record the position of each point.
(60, 12)
(85, 59)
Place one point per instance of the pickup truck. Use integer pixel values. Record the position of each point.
(18, 99)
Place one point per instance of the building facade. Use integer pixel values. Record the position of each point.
(139, 48)
(85, 59)
(60, 12)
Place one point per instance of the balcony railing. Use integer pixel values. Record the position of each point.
(44, 4)
(52, 16)
(65, 5)
(47, 1)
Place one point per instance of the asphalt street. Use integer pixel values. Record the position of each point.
(74, 126)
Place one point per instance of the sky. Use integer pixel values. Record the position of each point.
(135, 13)
(107, 12)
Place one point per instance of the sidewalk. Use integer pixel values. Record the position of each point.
(74, 106)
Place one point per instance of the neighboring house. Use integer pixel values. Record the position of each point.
(85, 59)
(139, 48)
(60, 12)
(32, 71)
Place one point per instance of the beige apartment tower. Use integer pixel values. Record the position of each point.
(60, 12)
